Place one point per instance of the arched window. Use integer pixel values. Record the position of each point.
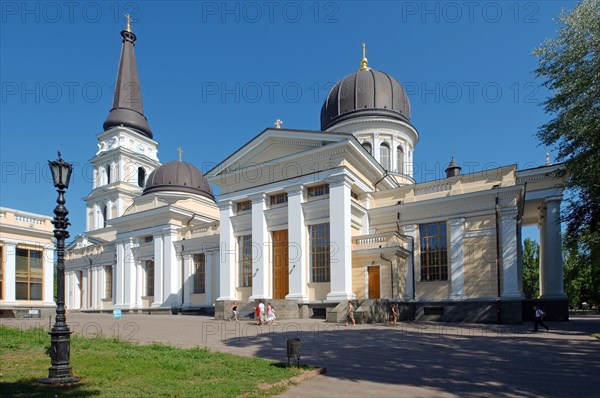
(104, 215)
(384, 155)
(141, 177)
(400, 159)
(367, 146)
(107, 168)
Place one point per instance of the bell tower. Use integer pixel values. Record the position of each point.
(127, 152)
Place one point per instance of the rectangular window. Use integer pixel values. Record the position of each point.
(320, 251)
(434, 252)
(244, 206)
(318, 190)
(245, 260)
(29, 274)
(108, 275)
(278, 199)
(199, 273)
(149, 278)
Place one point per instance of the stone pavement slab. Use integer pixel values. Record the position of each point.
(410, 359)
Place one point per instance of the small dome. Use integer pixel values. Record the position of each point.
(178, 176)
(366, 92)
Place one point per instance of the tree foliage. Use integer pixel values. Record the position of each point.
(531, 269)
(570, 67)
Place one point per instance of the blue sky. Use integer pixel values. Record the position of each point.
(214, 74)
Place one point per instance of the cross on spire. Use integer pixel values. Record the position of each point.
(278, 123)
(128, 27)
(180, 152)
(364, 62)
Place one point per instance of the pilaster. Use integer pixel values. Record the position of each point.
(457, 261)
(10, 250)
(508, 245)
(208, 272)
(409, 290)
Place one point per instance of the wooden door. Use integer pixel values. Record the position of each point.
(280, 264)
(374, 282)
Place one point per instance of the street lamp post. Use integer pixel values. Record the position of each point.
(60, 341)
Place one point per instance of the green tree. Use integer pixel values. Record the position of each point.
(570, 67)
(531, 269)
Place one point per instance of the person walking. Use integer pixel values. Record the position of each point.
(539, 318)
(350, 314)
(394, 313)
(261, 308)
(234, 312)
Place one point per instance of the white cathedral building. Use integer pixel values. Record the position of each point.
(309, 220)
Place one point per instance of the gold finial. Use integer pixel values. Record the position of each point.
(364, 62)
(128, 27)
(278, 123)
(180, 152)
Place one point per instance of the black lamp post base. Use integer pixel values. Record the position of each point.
(60, 380)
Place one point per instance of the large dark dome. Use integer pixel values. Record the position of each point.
(365, 93)
(178, 176)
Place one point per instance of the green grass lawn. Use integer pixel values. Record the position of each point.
(113, 368)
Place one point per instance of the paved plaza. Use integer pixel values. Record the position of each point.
(410, 359)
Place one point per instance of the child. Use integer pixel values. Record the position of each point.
(271, 314)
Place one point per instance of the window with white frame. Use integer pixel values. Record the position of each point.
(320, 251)
(199, 273)
(245, 260)
(434, 251)
(400, 159)
(384, 155)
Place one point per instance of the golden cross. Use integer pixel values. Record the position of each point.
(364, 47)
(180, 152)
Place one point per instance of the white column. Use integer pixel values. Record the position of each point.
(84, 288)
(158, 271)
(457, 260)
(100, 286)
(366, 199)
(340, 240)
(551, 265)
(410, 230)
(188, 279)
(227, 256)
(508, 245)
(48, 275)
(208, 272)
(376, 143)
(122, 174)
(119, 274)
(298, 264)
(260, 250)
(10, 277)
(393, 155)
(94, 287)
(139, 283)
(129, 280)
(172, 269)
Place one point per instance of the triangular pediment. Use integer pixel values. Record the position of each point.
(273, 144)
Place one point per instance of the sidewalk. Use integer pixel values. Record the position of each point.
(410, 359)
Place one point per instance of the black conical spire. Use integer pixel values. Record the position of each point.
(127, 109)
